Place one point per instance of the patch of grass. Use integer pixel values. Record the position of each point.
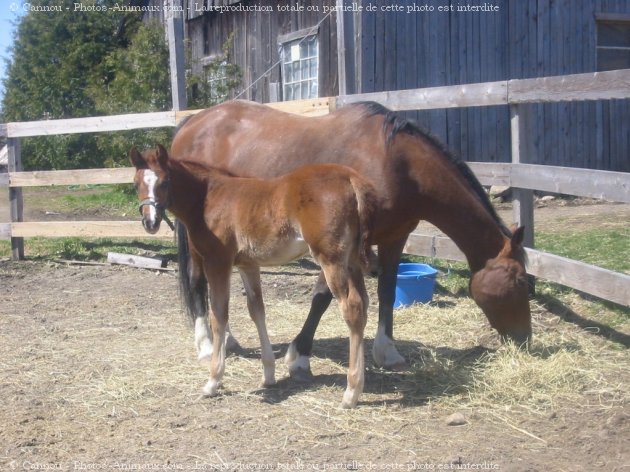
(115, 198)
(604, 247)
(80, 249)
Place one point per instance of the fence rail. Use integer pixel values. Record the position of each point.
(524, 178)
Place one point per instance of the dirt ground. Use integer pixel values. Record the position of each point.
(99, 373)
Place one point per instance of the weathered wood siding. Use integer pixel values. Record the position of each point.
(256, 37)
(524, 39)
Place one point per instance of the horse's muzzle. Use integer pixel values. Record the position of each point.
(151, 227)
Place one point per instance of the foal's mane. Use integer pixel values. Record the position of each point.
(394, 124)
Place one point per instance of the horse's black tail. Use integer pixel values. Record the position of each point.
(193, 288)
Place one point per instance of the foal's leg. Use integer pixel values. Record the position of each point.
(197, 301)
(219, 284)
(299, 352)
(349, 288)
(251, 281)
(384, 351)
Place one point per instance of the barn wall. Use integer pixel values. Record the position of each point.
(523, 39)
(256, 42)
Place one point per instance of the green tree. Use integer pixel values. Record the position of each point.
(136, 80)
(55, 59)
(70, 64)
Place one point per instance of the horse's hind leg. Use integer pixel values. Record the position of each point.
(256, 307)
(298, 354)
(348, 286)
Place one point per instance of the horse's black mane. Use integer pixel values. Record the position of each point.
(394, 124)
(181, 124)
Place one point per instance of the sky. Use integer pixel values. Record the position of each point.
(7, 18)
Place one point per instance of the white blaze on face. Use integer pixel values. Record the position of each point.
(150, 179)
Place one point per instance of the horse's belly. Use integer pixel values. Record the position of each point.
(285, 251)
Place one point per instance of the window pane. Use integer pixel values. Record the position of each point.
(312, 69)
(613, 59)
(613, 34)
(304, 49)
(300, 69)
(312, 51)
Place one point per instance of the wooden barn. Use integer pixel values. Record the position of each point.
(290, 50)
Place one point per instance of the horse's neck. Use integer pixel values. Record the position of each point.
(464, 218)
(475, 232)
(188, 191)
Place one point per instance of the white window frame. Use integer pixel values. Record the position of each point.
(299, 55)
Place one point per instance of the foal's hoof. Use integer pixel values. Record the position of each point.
(210, 389)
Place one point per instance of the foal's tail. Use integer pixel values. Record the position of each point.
(367, 204)
(193, 288)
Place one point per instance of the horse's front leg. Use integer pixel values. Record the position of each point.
(299, 352)
(256, 307)
(219, 283)
(384, 351)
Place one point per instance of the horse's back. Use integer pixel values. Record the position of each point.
(248, 138)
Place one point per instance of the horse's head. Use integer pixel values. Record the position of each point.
(152, 184)
(501, 291)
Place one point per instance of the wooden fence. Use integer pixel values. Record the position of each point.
(613, 186)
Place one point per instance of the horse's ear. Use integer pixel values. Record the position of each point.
(162, 155)
(136, 159)
(517, 237)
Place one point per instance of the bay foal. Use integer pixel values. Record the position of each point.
(250, 222)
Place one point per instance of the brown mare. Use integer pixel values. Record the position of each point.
(415, 178)
(250, 222)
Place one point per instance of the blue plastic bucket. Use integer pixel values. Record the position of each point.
(414, 284)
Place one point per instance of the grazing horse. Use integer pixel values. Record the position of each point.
(415, 179)
(250, 222)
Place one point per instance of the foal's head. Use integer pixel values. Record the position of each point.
(152, 184)
(501, 291)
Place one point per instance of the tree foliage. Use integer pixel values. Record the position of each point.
(70, 64)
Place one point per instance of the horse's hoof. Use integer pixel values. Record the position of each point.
(400, 366)
(210, 389)
(267, 383)
(301, 375)
(348, 405)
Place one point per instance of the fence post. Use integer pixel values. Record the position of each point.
(16, 202)
(175, 33)
(522, 199)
